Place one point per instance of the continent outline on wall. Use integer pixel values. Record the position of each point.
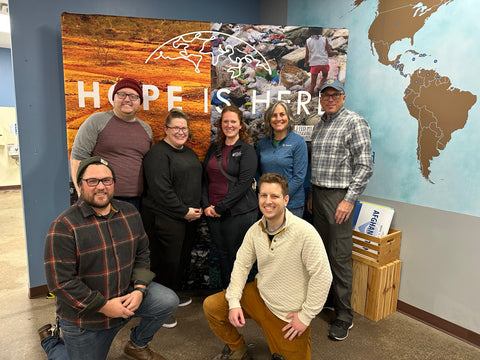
(429, 95)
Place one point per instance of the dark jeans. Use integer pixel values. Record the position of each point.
(227, 233)
(134, 200)
(337, 239)
(171, 243)
(80, 344)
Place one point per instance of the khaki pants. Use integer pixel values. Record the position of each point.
(216, 310)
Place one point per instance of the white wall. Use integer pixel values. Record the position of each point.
(440, 268)
(9, 165)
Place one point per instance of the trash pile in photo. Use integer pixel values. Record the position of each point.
(284, 50)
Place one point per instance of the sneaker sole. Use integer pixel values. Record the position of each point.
(341, 338)
(185, 303)
(170, 326)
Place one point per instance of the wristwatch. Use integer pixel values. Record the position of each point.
(143, 290)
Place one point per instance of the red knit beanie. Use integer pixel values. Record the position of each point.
(129, 83)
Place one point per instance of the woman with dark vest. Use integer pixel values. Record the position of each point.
(228, 199)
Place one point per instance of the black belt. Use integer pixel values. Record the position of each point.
(327, 188)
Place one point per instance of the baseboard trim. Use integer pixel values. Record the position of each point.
(11, 187)
(440, 324)
(38, 292)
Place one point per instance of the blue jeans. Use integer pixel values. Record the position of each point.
(79, 344)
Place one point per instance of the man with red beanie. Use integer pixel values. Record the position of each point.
(119, 137)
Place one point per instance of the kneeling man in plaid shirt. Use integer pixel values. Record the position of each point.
(97, 266)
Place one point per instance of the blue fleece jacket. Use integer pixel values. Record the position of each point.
(289, 158)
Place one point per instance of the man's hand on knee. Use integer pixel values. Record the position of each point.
(294, 328)
(236, 318)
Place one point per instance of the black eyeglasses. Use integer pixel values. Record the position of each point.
(92, 182)
(132, 97)
(335, 96)
(178, 129)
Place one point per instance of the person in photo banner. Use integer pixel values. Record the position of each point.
(317, 51)
(171, 204)
(284, 152)
(119, 137)
(98, 267)
(290, 287)
(341, 168)
(228, 199)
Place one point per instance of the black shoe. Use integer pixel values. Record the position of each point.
(184, 300)
(275, 356)
(227, 353)
(339, 330)
(171, 322)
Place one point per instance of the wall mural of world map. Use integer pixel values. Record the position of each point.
(429, 95)
(413, 75)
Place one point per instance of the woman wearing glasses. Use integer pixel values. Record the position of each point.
(228, 199)
(171, 203)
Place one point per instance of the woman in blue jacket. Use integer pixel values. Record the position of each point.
(228, 198)
(284, 152)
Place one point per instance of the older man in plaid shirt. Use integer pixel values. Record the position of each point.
(341, 167)
(97, 266)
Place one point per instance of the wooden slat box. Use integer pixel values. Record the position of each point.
(375, 289)
(376, 251)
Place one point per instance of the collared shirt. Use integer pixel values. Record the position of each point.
(342, 153)
(90, 259)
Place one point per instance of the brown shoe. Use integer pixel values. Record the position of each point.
(134, 352)
(45, 331)
(228, 354)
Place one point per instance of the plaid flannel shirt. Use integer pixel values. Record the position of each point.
(90, 259)
(342, 153)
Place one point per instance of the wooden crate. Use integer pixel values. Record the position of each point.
(375, 289)
(376, 251)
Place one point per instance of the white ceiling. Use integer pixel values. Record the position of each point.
(4, 36)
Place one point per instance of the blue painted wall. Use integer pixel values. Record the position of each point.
(7, 96)
(37, 63)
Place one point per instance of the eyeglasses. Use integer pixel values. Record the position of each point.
(92, 182)
(177, 129)
(132, 97)
(335, 96)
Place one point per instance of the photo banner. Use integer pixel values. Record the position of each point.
(197, 66)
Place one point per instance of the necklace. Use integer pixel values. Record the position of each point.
(277, 230)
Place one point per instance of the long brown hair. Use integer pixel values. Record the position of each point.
(243, 127)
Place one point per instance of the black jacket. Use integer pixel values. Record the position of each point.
(241, 164)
